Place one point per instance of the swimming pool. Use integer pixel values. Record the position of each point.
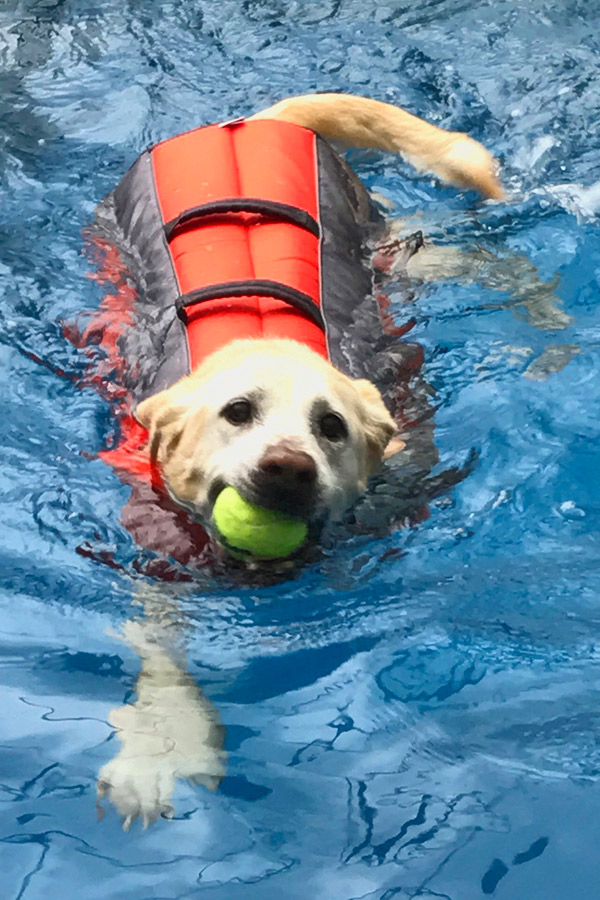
(425, 726)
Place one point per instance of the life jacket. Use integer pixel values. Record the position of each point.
(248, 229)
(244, 230)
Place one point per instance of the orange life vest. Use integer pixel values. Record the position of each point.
(247, 229)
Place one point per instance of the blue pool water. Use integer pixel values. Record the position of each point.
(411, 724)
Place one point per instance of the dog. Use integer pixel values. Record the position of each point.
(284, 426)
(271, 417)
(290, 431)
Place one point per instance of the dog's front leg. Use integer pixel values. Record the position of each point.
(171, 731)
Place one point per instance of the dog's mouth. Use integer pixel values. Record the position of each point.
(291, 506)
(301, 503)
(298, 503)
(215, 489)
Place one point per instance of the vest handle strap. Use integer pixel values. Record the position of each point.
(270, 209)
(251, 288)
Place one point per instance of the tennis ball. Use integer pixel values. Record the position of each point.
(255, 530)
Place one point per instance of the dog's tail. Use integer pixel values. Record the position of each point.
(360, 122)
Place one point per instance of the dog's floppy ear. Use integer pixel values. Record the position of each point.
(377, 423)
(175, 424)
(164, 419)
(145, 412)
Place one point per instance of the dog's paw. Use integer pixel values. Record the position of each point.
(137, 788)
(171, 732)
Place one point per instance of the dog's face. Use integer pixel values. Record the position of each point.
(275, 421)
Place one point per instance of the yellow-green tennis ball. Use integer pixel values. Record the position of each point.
(255, 530)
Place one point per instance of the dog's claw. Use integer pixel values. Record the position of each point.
(127, 821)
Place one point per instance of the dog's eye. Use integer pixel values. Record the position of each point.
(333, 427)
(238, 412)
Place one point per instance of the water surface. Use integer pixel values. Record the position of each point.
(426, 726)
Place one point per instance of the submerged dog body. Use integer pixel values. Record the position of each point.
(272, 417)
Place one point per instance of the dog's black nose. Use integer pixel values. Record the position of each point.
(286, 479)
(289, 467)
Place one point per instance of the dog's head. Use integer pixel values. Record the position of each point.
(274, 420)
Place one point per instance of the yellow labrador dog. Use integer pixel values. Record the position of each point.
(289, 431)
(271, 417)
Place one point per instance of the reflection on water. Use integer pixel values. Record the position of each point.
(413, 715)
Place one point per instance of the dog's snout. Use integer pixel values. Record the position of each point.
(286, 479)
(289, 467)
